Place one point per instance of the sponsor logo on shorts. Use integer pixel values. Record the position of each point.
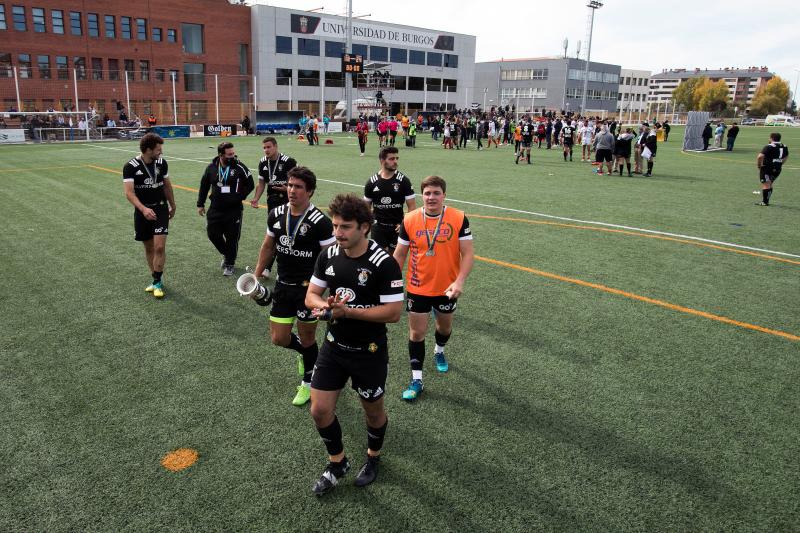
(447, 307)
(366, 394)
(397, 283)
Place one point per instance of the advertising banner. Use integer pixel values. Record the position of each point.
(12, 136)
(219, 130)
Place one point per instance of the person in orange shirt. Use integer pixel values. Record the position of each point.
(404, 124)
(517, 138)
(440, 242)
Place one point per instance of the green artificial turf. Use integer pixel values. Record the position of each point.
(567, 407)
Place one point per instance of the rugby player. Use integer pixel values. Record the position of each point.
(386, 191)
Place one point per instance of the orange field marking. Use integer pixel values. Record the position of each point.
(179, 459)
(637, 234)
(632, 296)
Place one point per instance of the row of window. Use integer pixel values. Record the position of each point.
(523, 92)
(192, 34)
(639, 97)
(605, 77)
(591, 94)
(193, 73)
(635, 81)
(524, 74)
(311, 47)
(311, 78)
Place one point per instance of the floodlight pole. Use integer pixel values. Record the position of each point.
(593, 5)
(349, 76)
(794, 94)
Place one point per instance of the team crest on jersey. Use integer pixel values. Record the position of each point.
(304, 229)
(372, 347)
(363, 276)
(396, 187)
(280, 166)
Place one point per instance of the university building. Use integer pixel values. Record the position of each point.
(297, 57)
(547, 83)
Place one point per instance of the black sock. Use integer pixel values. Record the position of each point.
(565, 155)
(441, 339)
(309, 360)
(765, 195)
(375, 437)
(416, 353)
(294, 343)
(332, 437)
(628, 165)
(649, 167)
(157, 276)
(769, 194)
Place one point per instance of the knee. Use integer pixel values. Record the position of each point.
(278, 338)
(322, 415)
(416, 335)
(158, 248)
(376, 419)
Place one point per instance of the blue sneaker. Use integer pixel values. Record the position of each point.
(413, 391)
(441, 362)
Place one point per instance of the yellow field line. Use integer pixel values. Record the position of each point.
(653, 301)
(637, 234)
(41, 168)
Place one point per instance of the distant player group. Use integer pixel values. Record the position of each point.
(328, 269)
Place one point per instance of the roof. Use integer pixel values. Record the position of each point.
(682, 74)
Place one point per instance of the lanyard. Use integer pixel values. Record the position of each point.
(432, 241)
(271, 169)
(289, 232)
(152, 177)
(222, 177)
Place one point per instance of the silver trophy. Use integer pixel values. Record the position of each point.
(248, 285)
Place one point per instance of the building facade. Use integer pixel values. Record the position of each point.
(297, 59)
(72, 54)
(634, 86)
(742, 83)
(547, 83)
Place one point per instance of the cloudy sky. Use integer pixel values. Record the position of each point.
(650, 35)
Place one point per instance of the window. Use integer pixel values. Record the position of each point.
(628, 80)
(434, 59)
(129, 73)
(172, 36)
(3, 24)
(75, 23)
(160, 74)
(399, 83)
(111, 27)
(334, 79)
(5, 66)
(334, 49)
(92, 25)
(18, 15)
(360, 50)
(97, 68)
(283, 45)
(113, 69)
(378, 53)
(157, 35)
(451, 60)
(308, 47)
(194, 78)
(38, 20)
(450, 85)
(609, 77)
(144, 69)
(141, 29)
(125, 27)
(399, 55)
(44, 67)
(308, 78)
(283, 76)
(24, 64)
(79, 64)
(192, 38)
(525, 74)
(416, 57)
(62, 67)
(416, 84)
(243, 55)
(434, 84)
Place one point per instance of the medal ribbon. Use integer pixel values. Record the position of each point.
(223, 176)
(299, 223)
(432, 241)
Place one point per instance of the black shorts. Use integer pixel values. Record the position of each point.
(604, 154)
(526, 143)
(385, 236)
(416, 303)
(768, 175)
(568, 143)
(288, 304)
(366, 368)
(144, 229)
(626, 155)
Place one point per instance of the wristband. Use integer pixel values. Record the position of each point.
(326, 315)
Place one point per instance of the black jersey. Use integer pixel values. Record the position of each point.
(148, 180)
(527, 131)
(774, 154)
(298, 241)
(274, 174)
(568, 132)
(366, 281)
(387, 197)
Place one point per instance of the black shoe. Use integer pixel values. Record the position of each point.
(330, 477)
(647, 175)
(516, 160)
(368, 472)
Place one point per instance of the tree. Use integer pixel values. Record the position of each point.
(684, 93)
(712, 95)
(771, 97)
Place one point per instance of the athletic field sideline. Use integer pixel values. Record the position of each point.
(625, 355)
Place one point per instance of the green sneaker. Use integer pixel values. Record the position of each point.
(303, 395)
(301, 369)
(150, 288)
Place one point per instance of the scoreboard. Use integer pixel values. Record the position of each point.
(352, 63)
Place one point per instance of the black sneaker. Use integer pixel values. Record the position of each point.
(368, 472)
(330, 477)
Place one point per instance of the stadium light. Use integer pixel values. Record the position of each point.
(593, 5)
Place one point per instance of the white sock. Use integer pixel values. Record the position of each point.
(306, 384)
(438, 349)
(416, 374)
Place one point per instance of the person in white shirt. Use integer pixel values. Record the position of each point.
(586, 133)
